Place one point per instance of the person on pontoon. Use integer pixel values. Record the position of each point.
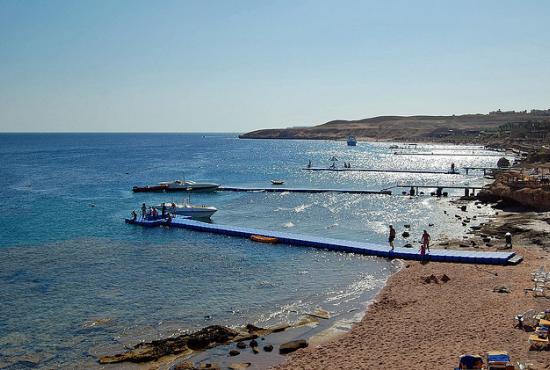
(452, 168)
(391, 237)
(154, 213)
(134, 216)
(309, 164)
(425, 240)
(163, 212)
(173, 208)
(143, 210)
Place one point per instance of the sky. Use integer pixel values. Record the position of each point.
(237, 66)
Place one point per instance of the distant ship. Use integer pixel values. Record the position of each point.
(352, 141)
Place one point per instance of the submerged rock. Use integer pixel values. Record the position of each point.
(234, 352)
(268, 348)
(292, 346)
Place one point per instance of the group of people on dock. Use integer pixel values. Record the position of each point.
(151, 212)
(424, 240)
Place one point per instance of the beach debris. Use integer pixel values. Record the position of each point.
(148, 351)
(434, 279)
(241, 345)
(292, 346)
(234, 352)
(501, 289)
(239, 366)
(405, 234)
(268, 348)
(430, 279)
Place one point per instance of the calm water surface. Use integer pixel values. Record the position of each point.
(76, 282)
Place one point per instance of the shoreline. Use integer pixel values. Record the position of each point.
(416, 325)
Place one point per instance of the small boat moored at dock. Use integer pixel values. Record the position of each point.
(277, 182)
(189, 210)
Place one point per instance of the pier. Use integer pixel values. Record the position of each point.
(359, 169)
(456, 154)
(349, 246)
(484, 169)
(466, 188)
(279, 189)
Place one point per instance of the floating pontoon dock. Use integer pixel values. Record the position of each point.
(279, 189)
(359, 169)
(349, 246)
(456, 154)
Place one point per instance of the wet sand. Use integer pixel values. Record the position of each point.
(415, 325)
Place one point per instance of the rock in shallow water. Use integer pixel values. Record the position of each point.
(156, 349)
(292, 346)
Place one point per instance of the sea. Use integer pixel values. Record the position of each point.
(76, 282)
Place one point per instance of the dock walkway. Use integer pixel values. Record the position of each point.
(349, 246)
(279, 189)
(359, 169)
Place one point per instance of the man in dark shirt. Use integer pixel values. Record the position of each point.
(391, 237)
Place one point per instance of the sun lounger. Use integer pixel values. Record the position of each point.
(537, 343)
(499, 360)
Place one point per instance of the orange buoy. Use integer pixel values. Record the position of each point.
(264, 239)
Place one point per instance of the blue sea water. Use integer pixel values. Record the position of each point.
(76, 282)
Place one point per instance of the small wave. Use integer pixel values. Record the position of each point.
(289, 224)
(302, 208)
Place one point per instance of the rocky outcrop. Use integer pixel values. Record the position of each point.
(156, 349)
(537, 198)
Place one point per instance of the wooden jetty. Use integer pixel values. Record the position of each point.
(279, 189)
(359, 169)
(436, 255)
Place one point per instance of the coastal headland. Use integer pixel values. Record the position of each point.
(491, 128)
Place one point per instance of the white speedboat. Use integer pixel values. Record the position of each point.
(187, 209)
(188, 185)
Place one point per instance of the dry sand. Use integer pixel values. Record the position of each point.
(414, 325)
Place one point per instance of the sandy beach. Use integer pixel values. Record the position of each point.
(416, 325)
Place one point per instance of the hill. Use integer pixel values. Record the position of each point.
(405, 128)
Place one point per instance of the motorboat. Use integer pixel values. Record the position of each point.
(177, 185)
(188, 185)
(352, 141)
(189, 210)
(277, 182)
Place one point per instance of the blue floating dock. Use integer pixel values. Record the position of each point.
(350, 246)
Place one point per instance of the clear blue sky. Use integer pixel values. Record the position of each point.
(235, 66)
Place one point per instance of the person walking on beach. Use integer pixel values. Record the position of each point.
(391, 238)
(425, 241)
(508, 238)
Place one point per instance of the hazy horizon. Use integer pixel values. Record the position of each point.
(238, 66)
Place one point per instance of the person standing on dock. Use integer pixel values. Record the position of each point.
(309, 164)
(425, 241)
(391, 238)
(143, 210)
(452, 168)
(508, 238)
